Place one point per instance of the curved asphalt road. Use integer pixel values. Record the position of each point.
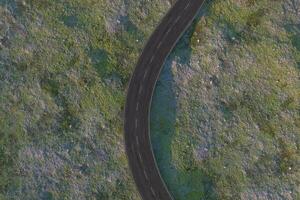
(137, 139)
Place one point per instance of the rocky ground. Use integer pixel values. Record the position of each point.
(64, 69)
(225, 117)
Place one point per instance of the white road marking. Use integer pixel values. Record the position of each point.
(137, 139)
(140, 89)
(188, 5)
(177, 19)
(146, 72)
(159, 45)
(175, 22)
(168, 30)
(146, 176)
(152, 58)
(152, 191)
(136, 123)
(137, 106)
(140, 157)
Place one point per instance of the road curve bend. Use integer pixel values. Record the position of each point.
(139, 96)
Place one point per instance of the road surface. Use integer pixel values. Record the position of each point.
(137, 133)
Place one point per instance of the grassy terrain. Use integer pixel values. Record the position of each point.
(225, 117)
(64, 68)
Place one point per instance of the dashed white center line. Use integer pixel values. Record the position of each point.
(146, 72)
(140, 89)
(137, 139)
(152, 58)
(177, 19)
(136, 123)
(146, 176)
(152, 191)
(135, 147)
(140, 158)
(159, 45)
(187, 5)
(168, 30)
